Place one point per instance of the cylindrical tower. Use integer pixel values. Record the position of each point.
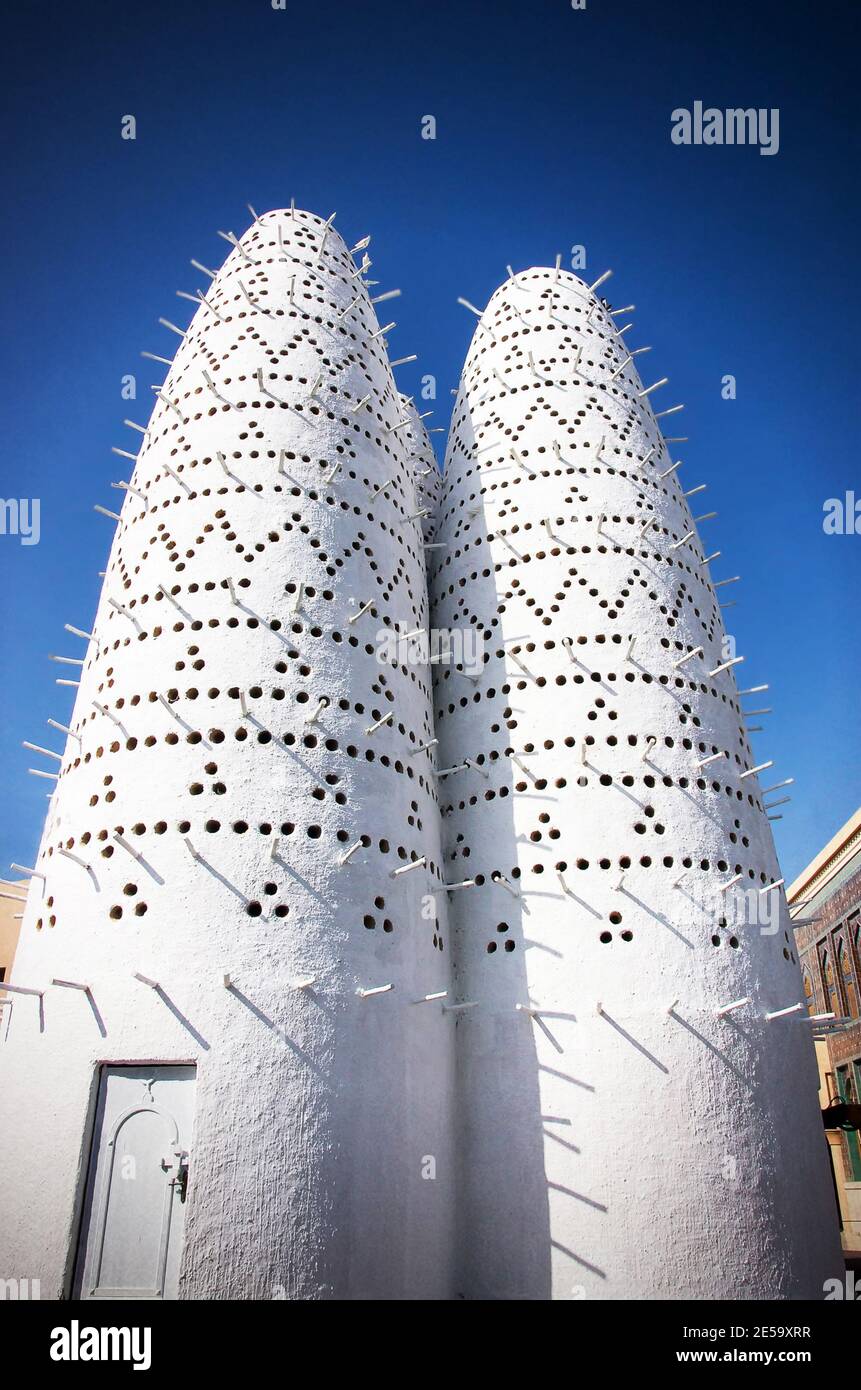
(225, 883)
(425, 471)
(637, 1109)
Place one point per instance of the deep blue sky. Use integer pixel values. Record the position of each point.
(553, 130)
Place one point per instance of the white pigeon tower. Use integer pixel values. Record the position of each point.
(331, 986)
(637, 1110)
(215, 1079)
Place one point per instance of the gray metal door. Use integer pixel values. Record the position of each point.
(134, 1206)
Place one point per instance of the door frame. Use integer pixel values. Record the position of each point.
(86, 1152)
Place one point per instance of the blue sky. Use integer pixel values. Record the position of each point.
(553, 130)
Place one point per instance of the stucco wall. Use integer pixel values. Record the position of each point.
(315, 1106)
(622, 1141)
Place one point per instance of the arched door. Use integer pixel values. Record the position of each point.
(134, 1206)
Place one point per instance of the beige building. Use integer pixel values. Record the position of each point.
(825, 903)
(11, 910)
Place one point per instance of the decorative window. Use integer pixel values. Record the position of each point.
(826, 967)
(809, 996)
(846, 971)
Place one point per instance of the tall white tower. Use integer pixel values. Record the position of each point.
(243, 1055)
(222, 1086)
(637, 1112)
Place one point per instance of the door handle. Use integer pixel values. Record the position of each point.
(181, 1179)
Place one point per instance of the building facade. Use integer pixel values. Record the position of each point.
(825, 901)
(12, 896)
